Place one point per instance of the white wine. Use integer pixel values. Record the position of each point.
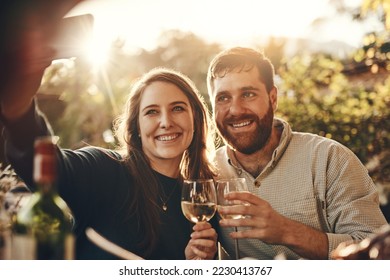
(228, 216)
(43, 227)
(198, 212)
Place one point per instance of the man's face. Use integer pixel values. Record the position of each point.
(243, 110)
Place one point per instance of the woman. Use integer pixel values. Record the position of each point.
(158, 130)
(131, 196)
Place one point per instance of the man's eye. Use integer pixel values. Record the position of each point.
(248, 94)
(221, 98)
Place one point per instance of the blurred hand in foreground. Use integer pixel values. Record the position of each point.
(25, 50)
(375, 247)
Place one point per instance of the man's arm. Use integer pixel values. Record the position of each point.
(270, 227)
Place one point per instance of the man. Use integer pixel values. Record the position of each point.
(307, 193)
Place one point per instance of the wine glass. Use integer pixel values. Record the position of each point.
(225, 186)
(198, 200)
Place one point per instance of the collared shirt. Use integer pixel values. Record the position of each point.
(312, 180)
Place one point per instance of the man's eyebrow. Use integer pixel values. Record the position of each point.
(244, 88)
(249, 88)
(222, 92)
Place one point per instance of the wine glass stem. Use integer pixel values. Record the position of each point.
(236, 246)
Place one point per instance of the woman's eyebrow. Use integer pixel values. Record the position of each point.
(179, 102)
(157, 105)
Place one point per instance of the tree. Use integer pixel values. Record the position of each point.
(91, 97)
(381, 7)
(315, 96)
(182, 51)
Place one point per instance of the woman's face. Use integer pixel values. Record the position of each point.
(166, 122)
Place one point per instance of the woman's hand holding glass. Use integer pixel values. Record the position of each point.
(203, 242)
(199, 204)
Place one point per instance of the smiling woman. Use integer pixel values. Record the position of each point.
(161, 149)
(166, 125)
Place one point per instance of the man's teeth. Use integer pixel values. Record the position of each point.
(167, 137)
(241, 124)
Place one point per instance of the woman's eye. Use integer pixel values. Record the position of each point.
(151, 112)
(178, 108)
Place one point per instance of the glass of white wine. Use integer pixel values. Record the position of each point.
(198, 200)
(225, 186)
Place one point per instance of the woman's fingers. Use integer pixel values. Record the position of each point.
(203, 230)
(204, 248)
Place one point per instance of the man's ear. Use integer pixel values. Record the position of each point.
(273, 95)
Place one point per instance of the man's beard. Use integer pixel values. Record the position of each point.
(249, 142)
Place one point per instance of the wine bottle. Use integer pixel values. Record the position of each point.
(5, 232)
(43, 227)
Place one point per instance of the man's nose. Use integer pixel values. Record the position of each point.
(236, 107)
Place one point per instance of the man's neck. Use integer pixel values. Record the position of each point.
(256, 162)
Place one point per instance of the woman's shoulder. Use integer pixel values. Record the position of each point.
(98, 152)
(92, 156)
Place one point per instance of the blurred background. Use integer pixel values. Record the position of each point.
(332, 60)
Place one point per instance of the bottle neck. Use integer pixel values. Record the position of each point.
(46, 188)
(45, 167)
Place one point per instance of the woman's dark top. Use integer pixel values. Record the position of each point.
(97, 186)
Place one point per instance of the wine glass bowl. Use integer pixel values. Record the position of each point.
(225, 186)
(198, 200)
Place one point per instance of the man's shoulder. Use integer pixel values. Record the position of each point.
(310, 141)
(312, 137)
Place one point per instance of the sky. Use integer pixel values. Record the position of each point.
(228, 22)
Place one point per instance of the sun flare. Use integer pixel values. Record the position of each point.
(227, 22)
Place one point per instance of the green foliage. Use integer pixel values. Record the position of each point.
(316, 97)
(93, 98)
(274, 50)
(381, 6)
(182, 51)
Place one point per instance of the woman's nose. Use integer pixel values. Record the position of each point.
(165, 120)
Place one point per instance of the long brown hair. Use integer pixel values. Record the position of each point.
(195, 162)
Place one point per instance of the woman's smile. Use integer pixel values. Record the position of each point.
(168, 137)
